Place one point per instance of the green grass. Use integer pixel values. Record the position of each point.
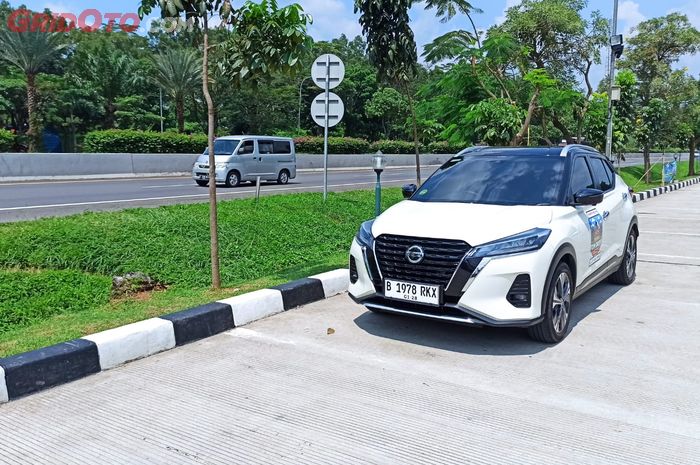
(55, 273)
(633, 174)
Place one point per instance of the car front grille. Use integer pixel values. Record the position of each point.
(442, 256)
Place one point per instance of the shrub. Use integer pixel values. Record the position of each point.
(394, 147)
(132, 141)
(7, 140)
(337, 145)
(445, 148)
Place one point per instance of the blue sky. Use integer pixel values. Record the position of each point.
(333, 17)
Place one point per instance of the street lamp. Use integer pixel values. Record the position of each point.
(616, 49)
(378, 163)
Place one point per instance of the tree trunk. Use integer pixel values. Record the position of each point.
(180, 109)
(213, 220)
(34, 130)
(110, 109)
(416, 142)
(517, 140)
(691, 159)
(563, 129)
(647, 164)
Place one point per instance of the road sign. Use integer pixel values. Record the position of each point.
(336, 109)
(328, 69)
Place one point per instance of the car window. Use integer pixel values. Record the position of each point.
(282, 146)
(602, 174)
(247, 147)
(266, 146)
(223, 147)
(496, 180)
(581, 176)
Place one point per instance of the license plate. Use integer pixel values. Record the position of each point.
(412, 292)
(203, 176)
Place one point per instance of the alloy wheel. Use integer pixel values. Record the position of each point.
(631, 256)
(561, 302)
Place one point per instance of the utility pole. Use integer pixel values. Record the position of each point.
(611, 75)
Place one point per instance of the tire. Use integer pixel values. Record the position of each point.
(556, 307)
(202, 183)
(233, 179)
(627, 272)
(283, 178)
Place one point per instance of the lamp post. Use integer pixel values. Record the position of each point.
(616, 48)
(378, 163)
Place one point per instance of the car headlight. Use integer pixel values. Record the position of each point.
(221, 166)
(364, 235)
(523, 242)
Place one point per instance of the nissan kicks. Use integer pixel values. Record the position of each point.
(500, 237)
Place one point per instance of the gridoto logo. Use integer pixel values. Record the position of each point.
(415, 254)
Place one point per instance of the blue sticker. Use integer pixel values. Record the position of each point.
(595, 224)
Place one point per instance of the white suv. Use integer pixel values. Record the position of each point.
(500, 237)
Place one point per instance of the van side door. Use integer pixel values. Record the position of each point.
(266, 159)
(245, 158)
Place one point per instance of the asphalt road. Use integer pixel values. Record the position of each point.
(30, 200)
(379, 389)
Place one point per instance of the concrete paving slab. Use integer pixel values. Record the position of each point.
(621, 389)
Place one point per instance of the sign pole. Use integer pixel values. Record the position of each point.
(325, 128)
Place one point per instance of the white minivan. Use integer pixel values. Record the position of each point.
(245, 158)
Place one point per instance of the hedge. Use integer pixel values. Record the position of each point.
(337, 145)
(445, 148)
(7, 140)
(394, 147)
(131, 141)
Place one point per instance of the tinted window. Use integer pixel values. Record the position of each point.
(247, 148)
(581, 176)
(281, 146)
(602, 175)
(223, 147)
(500, 180)
(265, 146)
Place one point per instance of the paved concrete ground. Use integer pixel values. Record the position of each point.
(30, 200)
(621, 389)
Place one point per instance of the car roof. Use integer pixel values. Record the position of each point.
(552, 151)
(252, 136)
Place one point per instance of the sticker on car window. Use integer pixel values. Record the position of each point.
(423, 192)
(595, 224)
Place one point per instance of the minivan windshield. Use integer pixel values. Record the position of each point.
(223, 147)
(497, 179)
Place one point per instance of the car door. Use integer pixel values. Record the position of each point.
(611, 207)
(246, 158)
(266, 159)
(588, 239)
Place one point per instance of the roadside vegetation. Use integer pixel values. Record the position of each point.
(56, 273)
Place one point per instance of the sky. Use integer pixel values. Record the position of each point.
(335, 17)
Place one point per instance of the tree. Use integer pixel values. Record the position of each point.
(31, 53)
(650, 126)
(388, 106)
(178, 70)
(657, 44)
(259, 30)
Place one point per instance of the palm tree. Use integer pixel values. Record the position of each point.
(178, 71)
(31, 52)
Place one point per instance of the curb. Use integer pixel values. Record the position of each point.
(41, 369)
(646, 195)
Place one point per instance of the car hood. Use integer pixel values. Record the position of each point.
(473, 223)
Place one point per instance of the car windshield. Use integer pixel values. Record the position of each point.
(223, 147)
(498, 179)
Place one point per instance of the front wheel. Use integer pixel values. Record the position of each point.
(627, 272)
(557, 308)
(233, 179)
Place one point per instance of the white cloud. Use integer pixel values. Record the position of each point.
(509, 4)
(629, 16)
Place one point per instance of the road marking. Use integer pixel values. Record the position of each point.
(191, 196)
(671, 233)
(668, 256)
(166, 186)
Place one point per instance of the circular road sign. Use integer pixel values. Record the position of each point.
(328, 68)
(336, 109)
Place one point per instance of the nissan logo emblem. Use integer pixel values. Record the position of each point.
(415, 254)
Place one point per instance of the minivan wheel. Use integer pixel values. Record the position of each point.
(283, 178)
(202, 183)
(627, 272)
(233, 179)
(557, 308)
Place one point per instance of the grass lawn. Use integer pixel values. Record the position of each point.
(633, 174)
(55, 273)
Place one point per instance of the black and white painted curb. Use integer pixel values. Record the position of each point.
(41, 369)
(638, 197)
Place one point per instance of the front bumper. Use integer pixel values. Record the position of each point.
(481, 301)
(202, 174)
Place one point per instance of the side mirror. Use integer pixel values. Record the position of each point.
(588, 197)
(408, 190)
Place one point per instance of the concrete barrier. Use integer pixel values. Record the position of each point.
(47, 166)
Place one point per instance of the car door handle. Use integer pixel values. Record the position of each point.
(606, 215)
